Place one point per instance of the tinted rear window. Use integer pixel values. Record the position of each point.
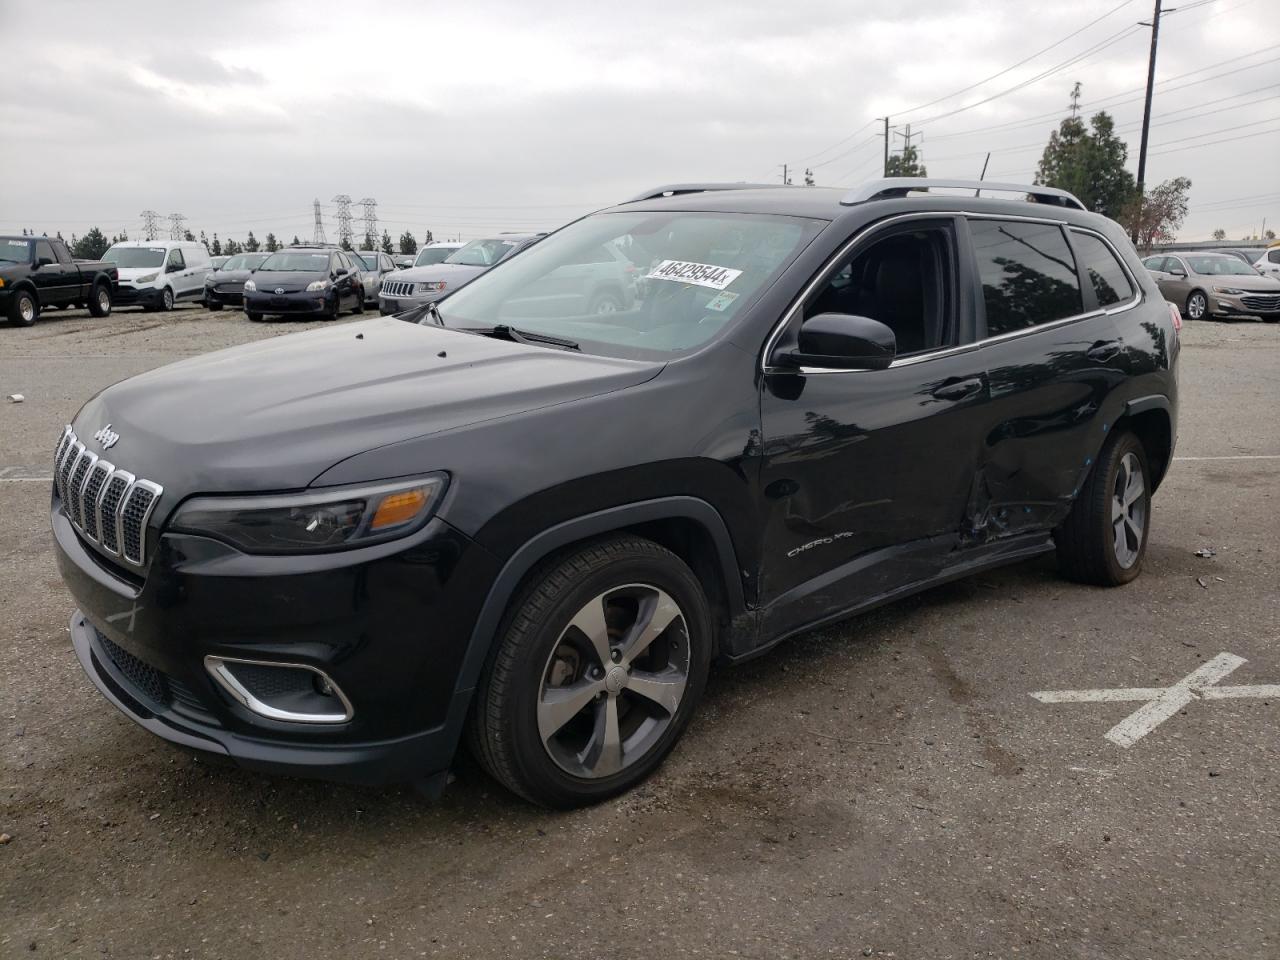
(1110, 282)
(1027, 272)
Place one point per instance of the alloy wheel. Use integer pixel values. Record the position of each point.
(1128, 511)
(614, 681)
(27, 309)
(1196, 306)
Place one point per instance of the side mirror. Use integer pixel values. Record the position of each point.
(842, 341)
(172, 268)
(43, 262)
(341, 272)
(1177, 272)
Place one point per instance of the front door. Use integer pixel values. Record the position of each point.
(866, 474)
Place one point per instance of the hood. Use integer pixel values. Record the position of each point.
(275, 414)
(229, 276)
(290, 281)
(1255, 283)
(133, 273)
(451, 273)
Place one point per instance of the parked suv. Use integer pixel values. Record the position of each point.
(319, 281)
(424, 284)
(339, 554)
(1215, 285)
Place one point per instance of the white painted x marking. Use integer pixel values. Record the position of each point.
(1164, 702)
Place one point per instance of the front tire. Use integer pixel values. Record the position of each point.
(100, 302)
(24, 309)
(1104, 539)
(599, 667)
(1197, 305)
(254, 316)
(166, 299)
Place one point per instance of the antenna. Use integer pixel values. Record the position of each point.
(318, 236)
(370, 219)
(344, 218)
(150, 223)
(175, 226)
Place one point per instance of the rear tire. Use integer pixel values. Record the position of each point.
(24, 309)
(1104, 539)
(613, 710)
(100, 302)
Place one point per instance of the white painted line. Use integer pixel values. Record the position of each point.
(26, 479)
(1165, 702)
(1263, 456)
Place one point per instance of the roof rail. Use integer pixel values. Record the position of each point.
(676, 189)
(901, 186)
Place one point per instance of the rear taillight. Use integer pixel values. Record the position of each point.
(1176, 316)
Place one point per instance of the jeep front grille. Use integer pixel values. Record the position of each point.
(107, 505)
(396, 288)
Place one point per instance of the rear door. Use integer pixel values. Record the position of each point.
(1052, 356)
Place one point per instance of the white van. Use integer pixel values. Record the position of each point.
(1269, 263)
(158, 273)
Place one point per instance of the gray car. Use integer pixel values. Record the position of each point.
(418, 285)
(374, 265)
(224, 287)
(1215, 285)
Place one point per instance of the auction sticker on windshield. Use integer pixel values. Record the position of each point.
(702, 274)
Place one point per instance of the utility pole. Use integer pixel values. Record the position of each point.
(1146, 114)
(785, 179)
(886, 145)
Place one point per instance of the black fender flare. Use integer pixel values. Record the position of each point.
(1157, 401)
(484, 631)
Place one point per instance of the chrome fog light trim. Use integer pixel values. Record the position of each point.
(220, 668)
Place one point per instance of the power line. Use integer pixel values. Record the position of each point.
(1214, 143)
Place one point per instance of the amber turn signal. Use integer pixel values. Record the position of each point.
(398, 508)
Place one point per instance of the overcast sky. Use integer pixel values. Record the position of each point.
(478, 116)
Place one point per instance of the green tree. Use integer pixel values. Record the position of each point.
(1219, 234)
(215, 248)
(188, 236)
(1088, 162)
(231, 248)
(386, 246)
(296, 241)
(905, 164)
(1155, 218)
(346, 244)
(368, 243)
(408, 245)
(272, 244)
(428, 239)
(91, 246)
(251, 245)
(1269, 235)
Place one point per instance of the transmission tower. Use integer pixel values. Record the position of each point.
(319, 236)
(370, 219)
(150, 223)
(175, 226)
(344, 218)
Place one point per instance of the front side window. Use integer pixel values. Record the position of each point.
(678, 279)
(1027, 272)
(904, 281)
(131, 257)
(175, 259)
(44, 251)
(1110, 282)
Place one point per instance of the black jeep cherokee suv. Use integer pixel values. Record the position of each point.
(339, 553)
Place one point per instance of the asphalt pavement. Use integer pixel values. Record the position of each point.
(886, 787)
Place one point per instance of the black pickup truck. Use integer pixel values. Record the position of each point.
(38, 272)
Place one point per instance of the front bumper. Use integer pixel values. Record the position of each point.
(128, 296)
(1246, 305)
(302, 301)
(389, 626)
(224, 298)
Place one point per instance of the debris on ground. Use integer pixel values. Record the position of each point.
(1204, 583)
(15, 398)
(1206, 552)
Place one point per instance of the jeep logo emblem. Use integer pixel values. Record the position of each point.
(107, 437)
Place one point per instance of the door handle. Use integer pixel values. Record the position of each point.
(1103, 350)
(959, 389)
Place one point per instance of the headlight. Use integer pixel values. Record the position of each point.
(147, 279)
(250, 286)
(431, 286)
(1229, 291)
(315, 286)
(314, 522)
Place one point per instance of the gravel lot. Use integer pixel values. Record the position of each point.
(886, 787)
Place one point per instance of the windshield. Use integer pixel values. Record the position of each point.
(482, 253)
(296, 263)
(135, 256)
(1221, 266)
(430, 255)
(244, 261)
(634, 284)
(15, 251)
(369, 258)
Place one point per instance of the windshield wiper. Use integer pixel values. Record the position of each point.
(503, 332)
